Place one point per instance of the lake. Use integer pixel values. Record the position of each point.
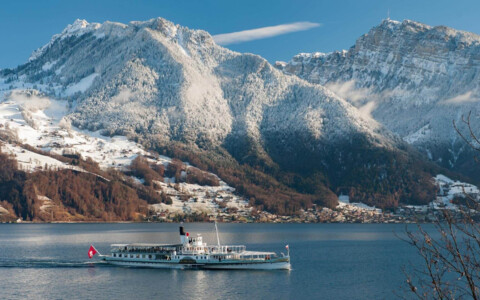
(329, 261)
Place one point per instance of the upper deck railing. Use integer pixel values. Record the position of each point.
(144, 248)
(227, 249)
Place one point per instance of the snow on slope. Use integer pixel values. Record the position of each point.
(448, 190)
(175, 83)
(49, 130)
(42, 122)
(202, 199)
(414, 76)
(30, 161)
(422, 133)
(81, 86)
(344, 203)
(3, 211)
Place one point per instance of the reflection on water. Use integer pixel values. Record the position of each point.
(328, 260)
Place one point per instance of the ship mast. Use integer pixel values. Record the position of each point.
(216, 231)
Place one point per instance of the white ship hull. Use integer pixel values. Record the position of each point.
(282, 265)
(249, 266)
(156, 265)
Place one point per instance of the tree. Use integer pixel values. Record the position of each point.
(451, 262)
(451, 252)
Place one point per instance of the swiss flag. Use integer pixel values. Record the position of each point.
(92, 251)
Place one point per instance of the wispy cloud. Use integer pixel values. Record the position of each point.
(262, 33)
(463, 98)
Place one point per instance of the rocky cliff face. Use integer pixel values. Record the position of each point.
(413, 78)
(167, 83)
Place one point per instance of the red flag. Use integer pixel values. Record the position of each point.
(92, 251)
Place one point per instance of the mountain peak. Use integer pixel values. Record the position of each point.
(397, 26)
(389, 23)
(170, 30)
(432, 33)
(78, 27)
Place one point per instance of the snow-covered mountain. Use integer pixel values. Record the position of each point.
(169, 81)
(413, 78)
(161, 82)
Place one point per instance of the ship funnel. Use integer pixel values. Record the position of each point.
(183, 236)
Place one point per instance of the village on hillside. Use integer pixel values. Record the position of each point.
(221, 204)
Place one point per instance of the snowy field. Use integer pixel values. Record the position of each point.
(448, 190)
(344, 203)
(46, 127)
(201, 199)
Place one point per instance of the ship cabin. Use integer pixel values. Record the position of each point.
(144, 251)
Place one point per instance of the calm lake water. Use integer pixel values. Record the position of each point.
(330, 261)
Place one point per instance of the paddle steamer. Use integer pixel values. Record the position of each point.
(193, 252)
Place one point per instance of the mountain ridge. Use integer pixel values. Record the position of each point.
(273, 135)
(406, 75)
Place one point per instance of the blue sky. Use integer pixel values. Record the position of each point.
(28, 24)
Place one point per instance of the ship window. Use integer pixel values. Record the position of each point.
(150, 256)
(138, 256)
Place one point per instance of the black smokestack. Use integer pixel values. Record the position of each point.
(182, 231)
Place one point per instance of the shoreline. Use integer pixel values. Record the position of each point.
(187, 222)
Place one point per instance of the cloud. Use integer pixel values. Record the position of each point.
(362, 98)
(262, 33)
(348, 91)
(463, 98)
(29, 100)
(123, 97)
(367, 109)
